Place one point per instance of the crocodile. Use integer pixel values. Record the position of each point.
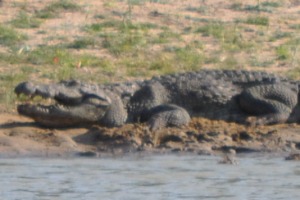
(240, 96)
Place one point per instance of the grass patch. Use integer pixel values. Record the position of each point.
(295, 26)
(257, 8)
(266, 6)
(134, 38)
(257, 20)
(229, 36)
(289, 51)
(283, 52)
(146, 66)
(99, 27)
(293, 73)
(188, 58)
(236, 6)
(165, 36)
(54, 63)
(119, 26)
(261, 63)
(176, 59)
(8, 80)
(125, 37)
(124, 42)
(230, 62)
(121, 37)
(9, 36)
(82, 43)
(23, 20)
(200, 9)
(277, 35)
(53, 9)
(215, 29)
(50, 56)
(274, 4)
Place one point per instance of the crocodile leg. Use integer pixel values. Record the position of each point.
(166, 115)
(151, 104)
(270, 104)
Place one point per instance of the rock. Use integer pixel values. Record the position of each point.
(293, 156)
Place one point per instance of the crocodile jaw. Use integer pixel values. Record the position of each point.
(60, 116)
(75, 103)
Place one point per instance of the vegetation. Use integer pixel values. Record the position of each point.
(9, 36)
(266, 6)
(122, 39)
(24, 20)
(258, 20)
(54, 9)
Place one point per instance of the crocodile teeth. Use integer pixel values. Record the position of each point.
(42, 109)
(60, 106)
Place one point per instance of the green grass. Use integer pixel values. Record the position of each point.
(123, 43)
(257, 8)
(165, 36)
(145, 65)
(118, 25)
(82, 43)
(230, 37)
(24, 20)
(9, 36)
(188, 58)
(54, 9)
(174, 59)
(295, 26)
(8, 80)
(289, 51)
(229, 63)
(50, 56)
(283, 52)
(121, 37)
(99, 27)
(200, 9)
(294, 73)
(278, 35)
(215, 29)
(131, 41)
(274, 4)
(266, 6)
(257, 20)
(255, 62)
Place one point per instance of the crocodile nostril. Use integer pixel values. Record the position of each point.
(26, 88)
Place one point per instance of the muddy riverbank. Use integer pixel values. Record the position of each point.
(20, 136)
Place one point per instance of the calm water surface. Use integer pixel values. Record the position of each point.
(149, 177)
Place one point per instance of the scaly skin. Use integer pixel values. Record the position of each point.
(168, 100)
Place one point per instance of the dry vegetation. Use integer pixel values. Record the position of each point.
(115, 40)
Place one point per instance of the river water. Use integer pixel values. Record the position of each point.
(149, 177)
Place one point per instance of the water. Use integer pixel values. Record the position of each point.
(149, 177)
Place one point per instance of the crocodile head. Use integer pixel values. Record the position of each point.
(75, 104)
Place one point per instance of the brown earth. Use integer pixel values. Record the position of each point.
(19, 136)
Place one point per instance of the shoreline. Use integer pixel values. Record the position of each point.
(21, 137)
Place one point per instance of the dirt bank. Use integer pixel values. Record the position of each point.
(19, 136)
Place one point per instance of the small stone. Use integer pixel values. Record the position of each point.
(86, 154)
(293, 156)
